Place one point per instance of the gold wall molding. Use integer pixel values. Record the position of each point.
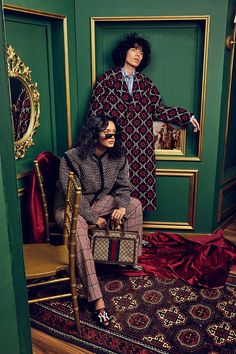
(206, 20)
(21, 191)
(192, 201)
(223, 179)
(222, 214)
(63, 18)
(23, 175)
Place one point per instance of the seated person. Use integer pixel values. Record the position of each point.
(101, 168)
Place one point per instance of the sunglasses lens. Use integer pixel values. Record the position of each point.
(109, 136)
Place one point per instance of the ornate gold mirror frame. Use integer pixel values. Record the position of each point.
(25, 105)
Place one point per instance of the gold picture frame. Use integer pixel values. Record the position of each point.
(168, 139)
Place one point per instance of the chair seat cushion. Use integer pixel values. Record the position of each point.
(43, 260)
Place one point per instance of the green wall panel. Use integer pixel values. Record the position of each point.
(40, 58)
(177, 65)
(80, 75)
(173, 200)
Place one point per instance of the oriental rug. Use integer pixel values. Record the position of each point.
(150, 314)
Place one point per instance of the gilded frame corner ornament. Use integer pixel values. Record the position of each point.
(206, 19)
(18, 70)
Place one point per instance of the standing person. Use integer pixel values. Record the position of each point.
(101, 168)
(132, 98)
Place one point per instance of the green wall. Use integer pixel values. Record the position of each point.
(14, 313)
(78, 13)
(218, 11)
(14, 321)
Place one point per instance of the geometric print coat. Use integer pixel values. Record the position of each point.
(136, 113)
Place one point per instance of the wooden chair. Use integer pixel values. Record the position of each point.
(46, 260)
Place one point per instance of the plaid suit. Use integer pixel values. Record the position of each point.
(85, 262)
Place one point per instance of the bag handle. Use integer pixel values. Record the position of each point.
(120, 227)
(111, 226)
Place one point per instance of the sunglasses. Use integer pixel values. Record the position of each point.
(109, 136)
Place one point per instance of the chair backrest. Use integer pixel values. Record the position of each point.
(42, 190)
(71, 213)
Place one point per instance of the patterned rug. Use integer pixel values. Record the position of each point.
(149, 315)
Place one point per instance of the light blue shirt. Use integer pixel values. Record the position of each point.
(129, 79)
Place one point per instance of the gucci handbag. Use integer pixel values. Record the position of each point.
(115, 246)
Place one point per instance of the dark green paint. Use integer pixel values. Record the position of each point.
(14, 323)
(174, 190)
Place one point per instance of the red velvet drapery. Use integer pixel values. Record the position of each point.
(203, 261)
(49, 167)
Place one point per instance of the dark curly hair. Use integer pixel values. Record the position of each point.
(131, 40)
(89, 137)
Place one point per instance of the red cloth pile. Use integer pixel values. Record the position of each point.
(203, 261)
(49, 167)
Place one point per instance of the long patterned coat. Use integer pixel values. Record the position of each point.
(136, 114)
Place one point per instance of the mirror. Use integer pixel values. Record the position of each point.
(25, 105)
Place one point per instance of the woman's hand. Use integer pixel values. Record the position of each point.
(195, 124)
(118, 214)
(101, 223)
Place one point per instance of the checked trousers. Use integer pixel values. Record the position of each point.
(85, 261)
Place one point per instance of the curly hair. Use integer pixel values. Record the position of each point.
(131, 40)
(89, 137)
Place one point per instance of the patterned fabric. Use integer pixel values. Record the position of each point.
(149, 315)
(21, 112)
(115, 247)
(98, 176)
(136, 113)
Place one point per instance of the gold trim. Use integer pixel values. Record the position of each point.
(223, 181)
(226, 222)
(21, 191)
(226, 181)
(26, 10)
(20, 9)
(205, 18)
(22, 175)
(192, 201)
(167, 225)
(221, 214)
(67, 79)
(179, 158)
(22, 73)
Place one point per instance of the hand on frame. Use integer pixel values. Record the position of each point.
(195, 124)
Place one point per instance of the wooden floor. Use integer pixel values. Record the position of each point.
(45, 344)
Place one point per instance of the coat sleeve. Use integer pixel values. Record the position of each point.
(85, 209)
(176, 115)
(122, 187)
(100, 91)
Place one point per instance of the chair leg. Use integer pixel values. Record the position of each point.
(75, 304)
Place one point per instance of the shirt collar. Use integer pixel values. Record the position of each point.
(124, 73)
